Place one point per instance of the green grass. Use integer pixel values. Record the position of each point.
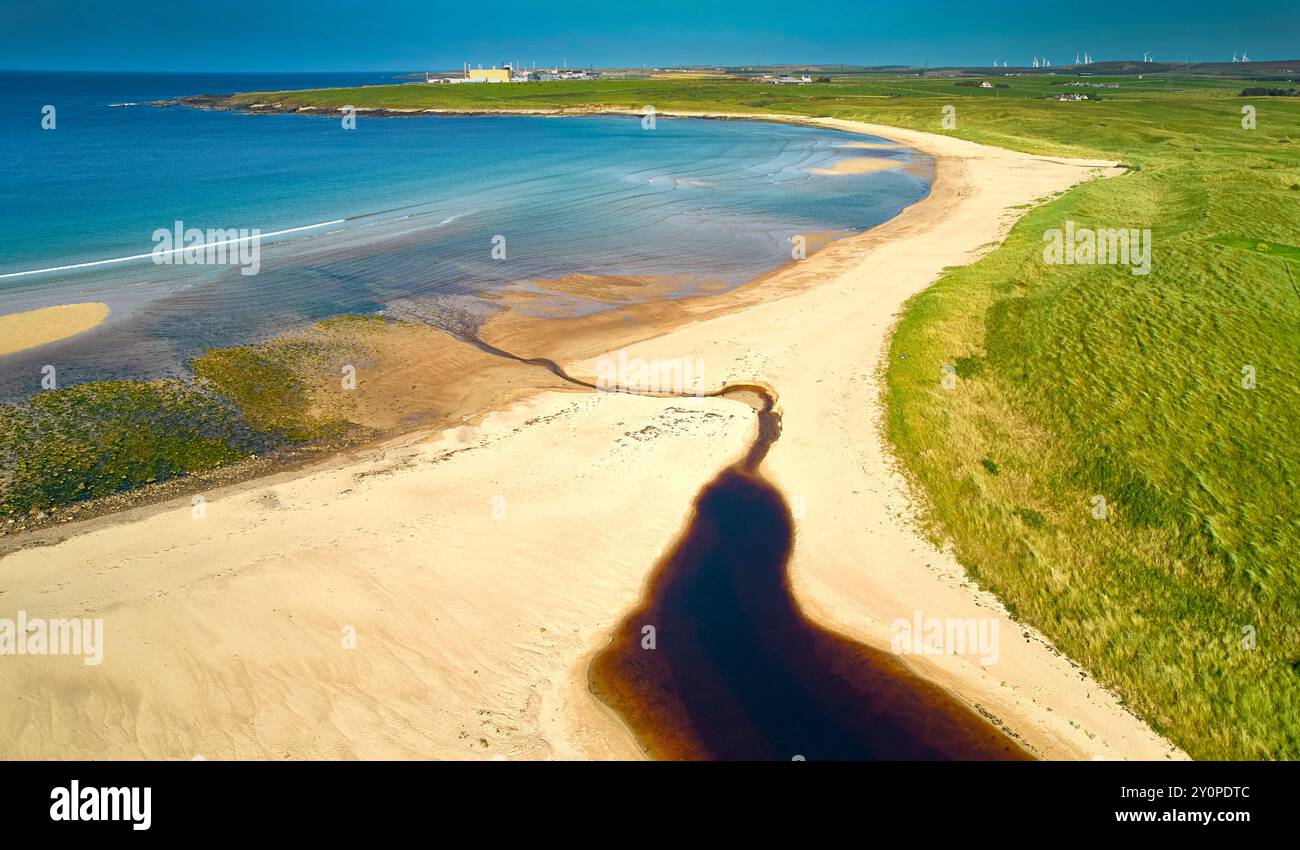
(727, 94)
(1271, 249)
(1097, 383)
(1076, 382)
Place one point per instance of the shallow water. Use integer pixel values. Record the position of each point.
(418, 203)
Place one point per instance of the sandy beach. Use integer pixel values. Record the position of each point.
(441, 595)
(21, 331)
(860, 165)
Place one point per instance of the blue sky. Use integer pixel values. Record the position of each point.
(322, 35)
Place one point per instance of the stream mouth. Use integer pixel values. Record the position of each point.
(718, 662)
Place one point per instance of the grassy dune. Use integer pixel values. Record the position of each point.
(1077, 382)
(1086, 381)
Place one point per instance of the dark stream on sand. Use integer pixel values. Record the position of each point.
(718, 662)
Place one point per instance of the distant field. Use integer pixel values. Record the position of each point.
(1078, 382)
(720, 93)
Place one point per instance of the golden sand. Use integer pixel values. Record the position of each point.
(441, 595)
(21, 331)
(411, 376)
(860, 165)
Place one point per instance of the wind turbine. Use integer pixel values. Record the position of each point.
(1244, 57)
(1234, 58)
(1035, 61)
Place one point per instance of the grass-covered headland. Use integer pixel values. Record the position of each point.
(1170, 396)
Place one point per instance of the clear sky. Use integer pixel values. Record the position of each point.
(323, 35)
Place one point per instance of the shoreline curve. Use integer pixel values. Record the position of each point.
(503, 580)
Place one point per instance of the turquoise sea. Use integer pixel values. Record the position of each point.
(399, 215)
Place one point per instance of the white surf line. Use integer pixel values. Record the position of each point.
(199, 247)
